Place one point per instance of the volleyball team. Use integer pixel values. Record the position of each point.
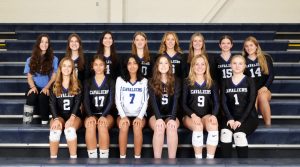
(217, 94)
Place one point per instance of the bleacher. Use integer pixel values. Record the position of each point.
(281, 140)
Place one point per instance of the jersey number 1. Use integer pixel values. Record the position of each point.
(236, 99)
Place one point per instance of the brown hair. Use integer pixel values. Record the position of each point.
(41, 63)
(155, 81)
(146, 53)
(80, 51)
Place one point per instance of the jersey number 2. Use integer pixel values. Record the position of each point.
(66, 104)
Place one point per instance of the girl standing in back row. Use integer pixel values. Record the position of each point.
(141, 50)
(40, 69)
(108, 50)
(169, 47)
(260, 68)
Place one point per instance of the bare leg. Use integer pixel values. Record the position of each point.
(172, 137)
(158, 137)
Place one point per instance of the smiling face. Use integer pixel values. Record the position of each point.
(140, 42)
(66, 68)
(163, 66)
(197, 43)
(132, 66)
(225, 45)
(107, 40)
(170, 41)
(74, 43)
(44, 44)
(250, 47)
(238, 64)
(98, 66)
(199, 67)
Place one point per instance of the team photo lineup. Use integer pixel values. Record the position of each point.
(217, 97)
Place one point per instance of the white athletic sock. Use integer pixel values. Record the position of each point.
(92, 153)
(122, 156)
(198, 156)
(53, 156)
(137, 156)
(210, 156)
(103, 153)
(73, 156)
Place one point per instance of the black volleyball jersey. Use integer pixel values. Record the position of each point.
(112, 70)
(165, 106)
(178, 64)
(99, 99)
(199, 99)
(223, 69)
(81, 74)
(65, 104)
(254, 71)
(146, 67)
(239, 100)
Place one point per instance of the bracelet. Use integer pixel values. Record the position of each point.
(33, 87)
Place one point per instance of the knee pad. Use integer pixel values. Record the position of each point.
(212, 138)
(70, 134)
(240, 139)
(226, 136)
(54, 135)
(28, 114)
(197, 138)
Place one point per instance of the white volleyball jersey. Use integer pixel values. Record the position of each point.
(131, 98)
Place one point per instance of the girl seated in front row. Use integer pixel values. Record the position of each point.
(99, 93)
(164, 91)
(65, 100)
(238, 100)
(132, 102)
(201, 104)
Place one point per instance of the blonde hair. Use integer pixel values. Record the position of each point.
(74, 86)
(191, 48)
(163, 47)
(239, 56)
(259, 53)
(192, 74)
(146, 53)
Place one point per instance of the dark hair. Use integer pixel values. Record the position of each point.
(100, 50)
(97, 57)
(226, 37)
(39, 64)
(125, 73)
